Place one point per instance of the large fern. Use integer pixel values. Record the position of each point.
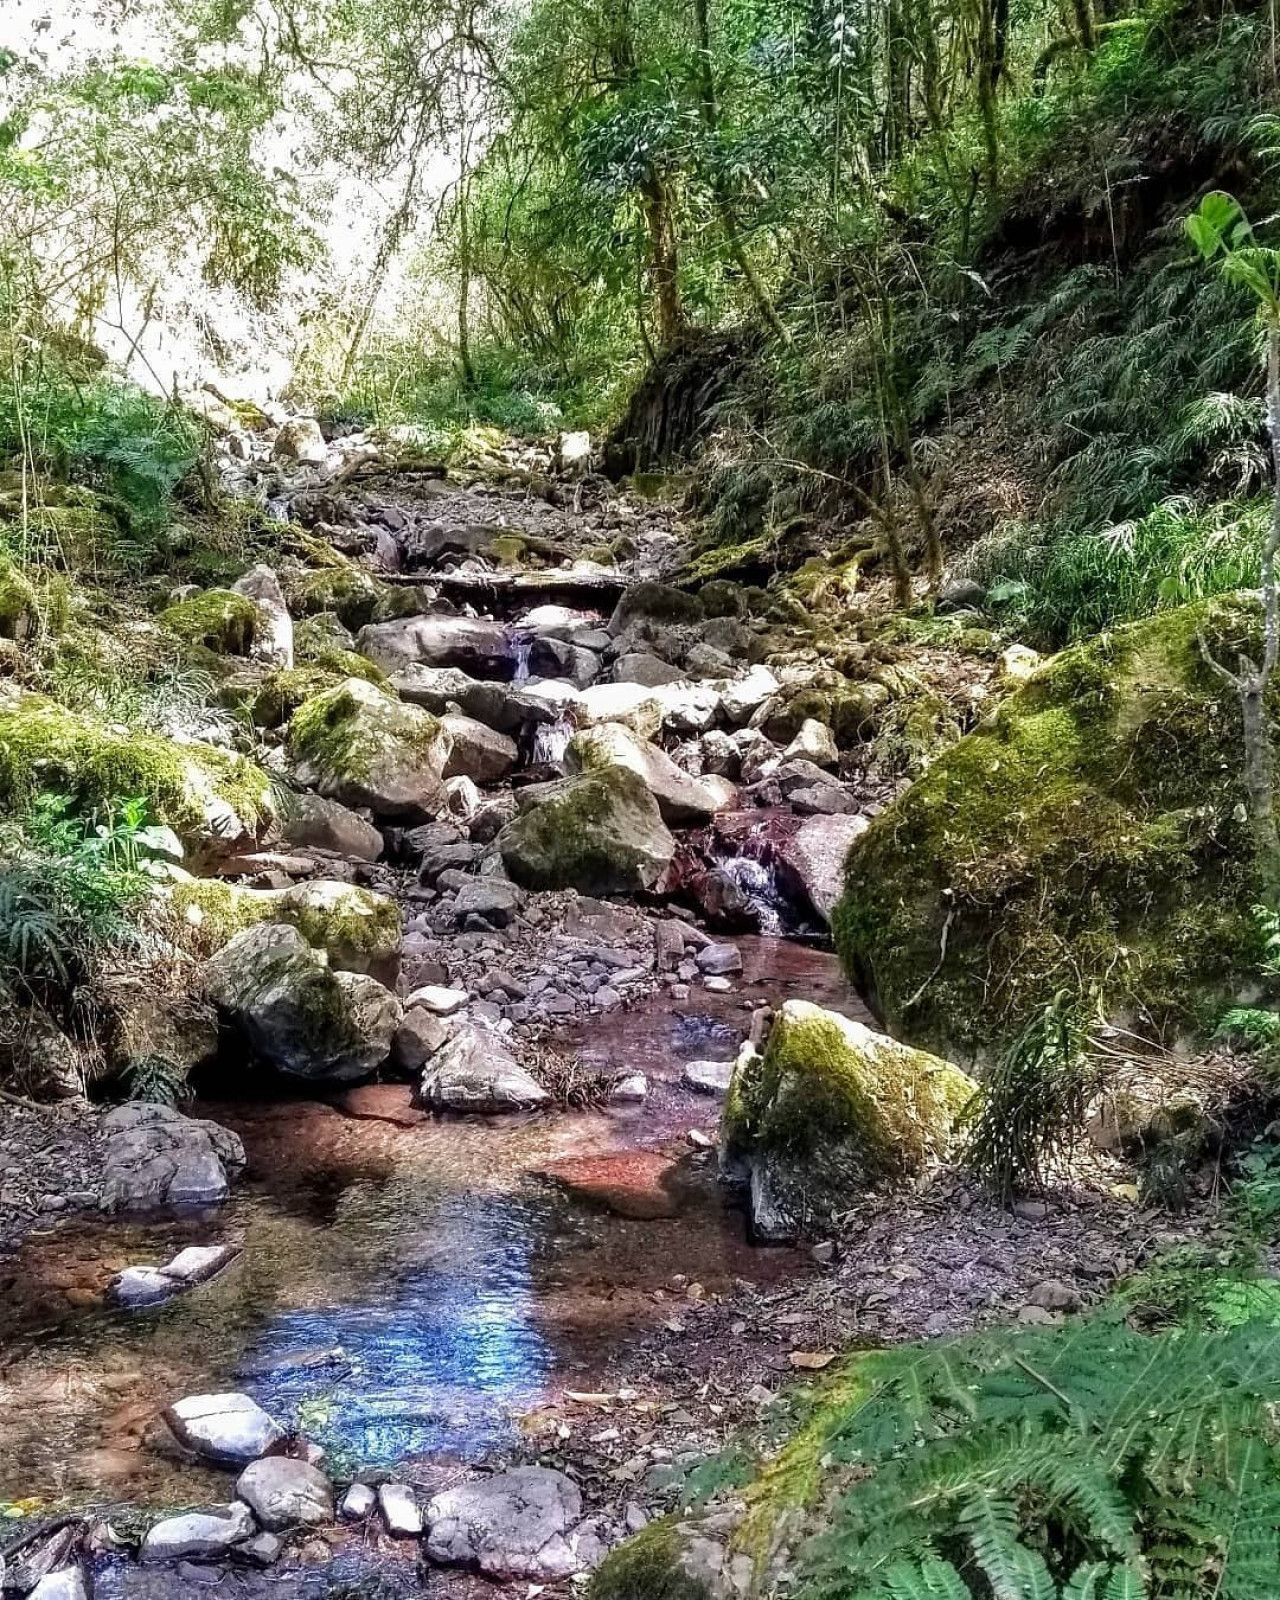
(1088, 1463)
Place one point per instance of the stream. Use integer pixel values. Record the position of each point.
(407, 1287)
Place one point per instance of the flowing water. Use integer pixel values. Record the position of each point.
(403, 1291)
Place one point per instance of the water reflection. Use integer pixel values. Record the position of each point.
(437, 1361)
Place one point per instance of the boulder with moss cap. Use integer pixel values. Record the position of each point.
(297, 1014)
(363, 748)
(358, 929)
(599, 833)
(215, 802)
(19, 608)
(682, 799)
(1094, 826)
(220, 620)
(829, 1109)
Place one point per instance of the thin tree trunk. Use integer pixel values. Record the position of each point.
(664, 261)
(464, 290)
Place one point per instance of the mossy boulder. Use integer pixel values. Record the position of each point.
(271, 702)
(1091, 833)
(360, 746)
(669, 1560)
(215, 802)
(218, 619)
(682, 799)
(599, 833)
(829, 1109)
(352, 594)
(19, 609)
(305, 1020)
(322, 642)
(358, 930)
(655, 602)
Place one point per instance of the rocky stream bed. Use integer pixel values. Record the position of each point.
(476, 1221)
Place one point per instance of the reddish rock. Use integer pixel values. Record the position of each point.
(382, 1102)
(632, 1184)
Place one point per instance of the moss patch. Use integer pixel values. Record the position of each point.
(343, 731)
(647, 1567)
(840, 1105)
(599, 833)
(43, 746)
(219, 620)
(19, 612)
(355, 596)
(359, 930)
(1089, 835)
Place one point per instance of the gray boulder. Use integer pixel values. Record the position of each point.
(475, 1071)
(504, 706)
(199, 1535)
(645, 669)
(66, 1584)
(810, 862)
(294, 1012)
(481, 649)
(494, 899)
(154, 1156)
(283, 1493)
(312, 822)
(358, 745)
(521, 1524)
(300, 442)
(148, 1286)
(479, 753)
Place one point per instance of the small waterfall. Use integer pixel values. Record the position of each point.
(521, 652)
(756, 882)
(550, 741)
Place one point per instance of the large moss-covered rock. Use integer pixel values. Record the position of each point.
(219, 619)
(682, 799)
(600, 833)
(829, 1109)
(1091, 834)
(297, 1014)
(214, 801)
(351, 593)
(358, 930)
(19, 610)
(362, 747)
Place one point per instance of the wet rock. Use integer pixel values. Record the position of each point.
(815, 742)
(479, 753)
(273, 634)
(417, 1039)
(630, 1183)
(228, 1429)
(68, 1584)
(480, 649)
(719, 960)
(283, 1493)
(145, 1286)
(514, 1525)
(709, 1077)
(475, 1071)
(312, 822)
(154, 1156)
(682, 800)
(558, 658)
(358, 745)
(298, 1015)
(599, 833)
(357, 1503)
(504, 706)
(199, 1535)
(400, 1510)
(494, 899)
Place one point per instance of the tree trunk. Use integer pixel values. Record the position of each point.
(464, 290)
(664, 261)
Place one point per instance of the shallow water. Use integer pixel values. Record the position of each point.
(402, 1292)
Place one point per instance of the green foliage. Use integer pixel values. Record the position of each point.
(156, 1079)
(1030, 1107)
(1088, 1461)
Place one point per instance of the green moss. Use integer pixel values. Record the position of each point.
(278, 697)
(19, 613)
(322, 641)
(358, 929)
(580, 836)
(1090, 834)
(747, 558)
(847, 1105)
(647, 1567)
(219, 619)
(43, 746)
(343, 731)
(355, 596)
(510, 550)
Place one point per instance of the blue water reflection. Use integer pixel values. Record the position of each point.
(439, 1361)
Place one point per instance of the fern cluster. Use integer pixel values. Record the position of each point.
(1090, 1463)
